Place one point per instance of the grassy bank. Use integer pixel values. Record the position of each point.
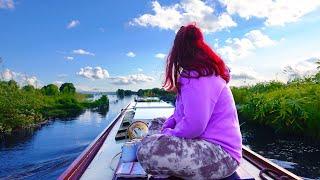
(292, 107)
(28, 106)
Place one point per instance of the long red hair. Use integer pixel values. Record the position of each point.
(191, 53)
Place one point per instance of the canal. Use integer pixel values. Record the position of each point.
(46, 152)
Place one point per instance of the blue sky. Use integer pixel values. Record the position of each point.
(106, 45)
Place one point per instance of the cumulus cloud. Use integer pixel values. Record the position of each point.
(160, 55)
(82, 52)
(73, 24)
(21, 79)
(131, 79)
(32, 81)
(7, 4)
(237, 48)
(244, 73)
(301, 69)
(275, 12)
(131, 54)
(7, 75)
(58, 83)
(93, 73)
(243, 76)
(172, 17)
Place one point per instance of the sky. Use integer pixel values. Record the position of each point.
(104, 45)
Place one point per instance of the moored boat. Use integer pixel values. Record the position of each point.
(101, 158)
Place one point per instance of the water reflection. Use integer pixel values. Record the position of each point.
(299, 155)
(46, 152)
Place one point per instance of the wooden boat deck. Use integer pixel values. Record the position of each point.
(100, 162)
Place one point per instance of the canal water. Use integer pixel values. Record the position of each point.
(46, 152)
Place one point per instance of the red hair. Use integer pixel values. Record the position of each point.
(191, 53)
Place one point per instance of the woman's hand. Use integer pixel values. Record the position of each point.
(169, 123)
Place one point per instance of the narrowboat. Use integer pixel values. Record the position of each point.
(102, 158)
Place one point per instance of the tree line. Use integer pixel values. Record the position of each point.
(26, 106)
(154, 92)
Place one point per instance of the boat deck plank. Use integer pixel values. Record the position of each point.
(247, 170)
(100, 167)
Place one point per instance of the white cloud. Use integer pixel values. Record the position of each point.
(32, 81)
(7, 75)
(131, 79)
(140, 70)
(239, 48)
(21, 79)
(73, 24)
(82, 52)
(131, 54)
(302, 68)
(93, 73)
(69, 58)
(58, 83)
(259, 39)
(160, 55)
(275, 12)
(7, 4)
(174, 16)
(244, 73)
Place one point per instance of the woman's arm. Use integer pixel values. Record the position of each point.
(169, 123)
(198, 105)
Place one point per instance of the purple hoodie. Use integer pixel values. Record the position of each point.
(206, 109)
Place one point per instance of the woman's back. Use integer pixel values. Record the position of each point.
(205, 109)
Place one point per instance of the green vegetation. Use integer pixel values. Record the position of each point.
(28, 106)
(157, 92)
(293, 107)
(121, 93)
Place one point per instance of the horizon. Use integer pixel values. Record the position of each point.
(107, 46)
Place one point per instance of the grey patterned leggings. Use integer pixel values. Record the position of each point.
(161, 154)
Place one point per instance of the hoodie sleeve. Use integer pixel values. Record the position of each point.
(169, 123)
(198, 98)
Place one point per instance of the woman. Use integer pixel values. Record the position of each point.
(202, 139)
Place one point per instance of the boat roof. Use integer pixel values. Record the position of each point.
(106, 156)
(106, 160)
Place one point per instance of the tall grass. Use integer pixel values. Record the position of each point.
(293, 107)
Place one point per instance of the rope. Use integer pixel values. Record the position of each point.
(112, 161)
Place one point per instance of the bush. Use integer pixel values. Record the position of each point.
(20, 108)
(292, 108)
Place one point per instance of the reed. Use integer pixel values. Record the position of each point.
(293, 107)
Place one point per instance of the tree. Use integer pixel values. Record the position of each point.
(67, 88)
(140, 92)
(318, 63)
(28, 88)
(50, 90)
(120, 93)
(13, 84)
